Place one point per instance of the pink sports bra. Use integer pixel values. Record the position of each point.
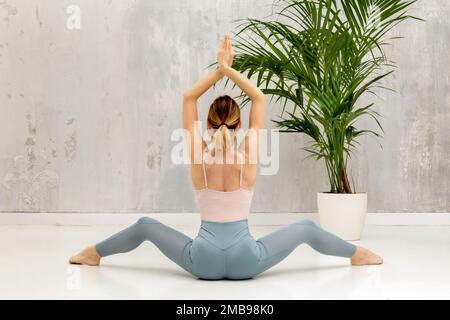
(224, 206)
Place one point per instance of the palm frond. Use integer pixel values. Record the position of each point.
(319, 58)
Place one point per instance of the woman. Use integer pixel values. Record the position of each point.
(223, 178)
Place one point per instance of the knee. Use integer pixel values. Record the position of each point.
(309, 228)
(142, 228)
(306, 222)
(146, 220)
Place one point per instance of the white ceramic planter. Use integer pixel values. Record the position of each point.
(343, 214)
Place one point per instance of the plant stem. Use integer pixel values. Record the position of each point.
(346, 183)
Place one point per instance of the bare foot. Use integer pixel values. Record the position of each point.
(364, 257)
(88, 256)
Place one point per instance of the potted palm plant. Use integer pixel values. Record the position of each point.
(323, 56)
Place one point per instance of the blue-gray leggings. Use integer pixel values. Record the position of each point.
(225, 250)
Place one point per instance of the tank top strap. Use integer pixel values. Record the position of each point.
(204, 170)
(242, 167)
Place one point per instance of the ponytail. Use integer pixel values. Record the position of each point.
(224, 115)
(222, 139)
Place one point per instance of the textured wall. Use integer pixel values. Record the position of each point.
(86, 115)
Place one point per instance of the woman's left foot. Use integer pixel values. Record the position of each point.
(363, 257)
(88, 256)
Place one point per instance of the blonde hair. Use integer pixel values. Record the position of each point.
(224, 115)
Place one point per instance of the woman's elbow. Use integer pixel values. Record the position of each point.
(258, 97)
(188, 95)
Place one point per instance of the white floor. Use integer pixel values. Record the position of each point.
(33, 266)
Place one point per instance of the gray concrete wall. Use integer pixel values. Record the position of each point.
(86, 115)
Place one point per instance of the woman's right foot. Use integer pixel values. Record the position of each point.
(364, 257)
(88, 256)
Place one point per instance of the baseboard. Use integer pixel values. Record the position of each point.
(26, 218)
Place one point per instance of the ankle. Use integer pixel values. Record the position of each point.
(357, 252)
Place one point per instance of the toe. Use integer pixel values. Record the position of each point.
(73, 260)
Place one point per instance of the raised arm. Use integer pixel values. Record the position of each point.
(202, 85)
(190, 115)
(255, 94)
(257, 111)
